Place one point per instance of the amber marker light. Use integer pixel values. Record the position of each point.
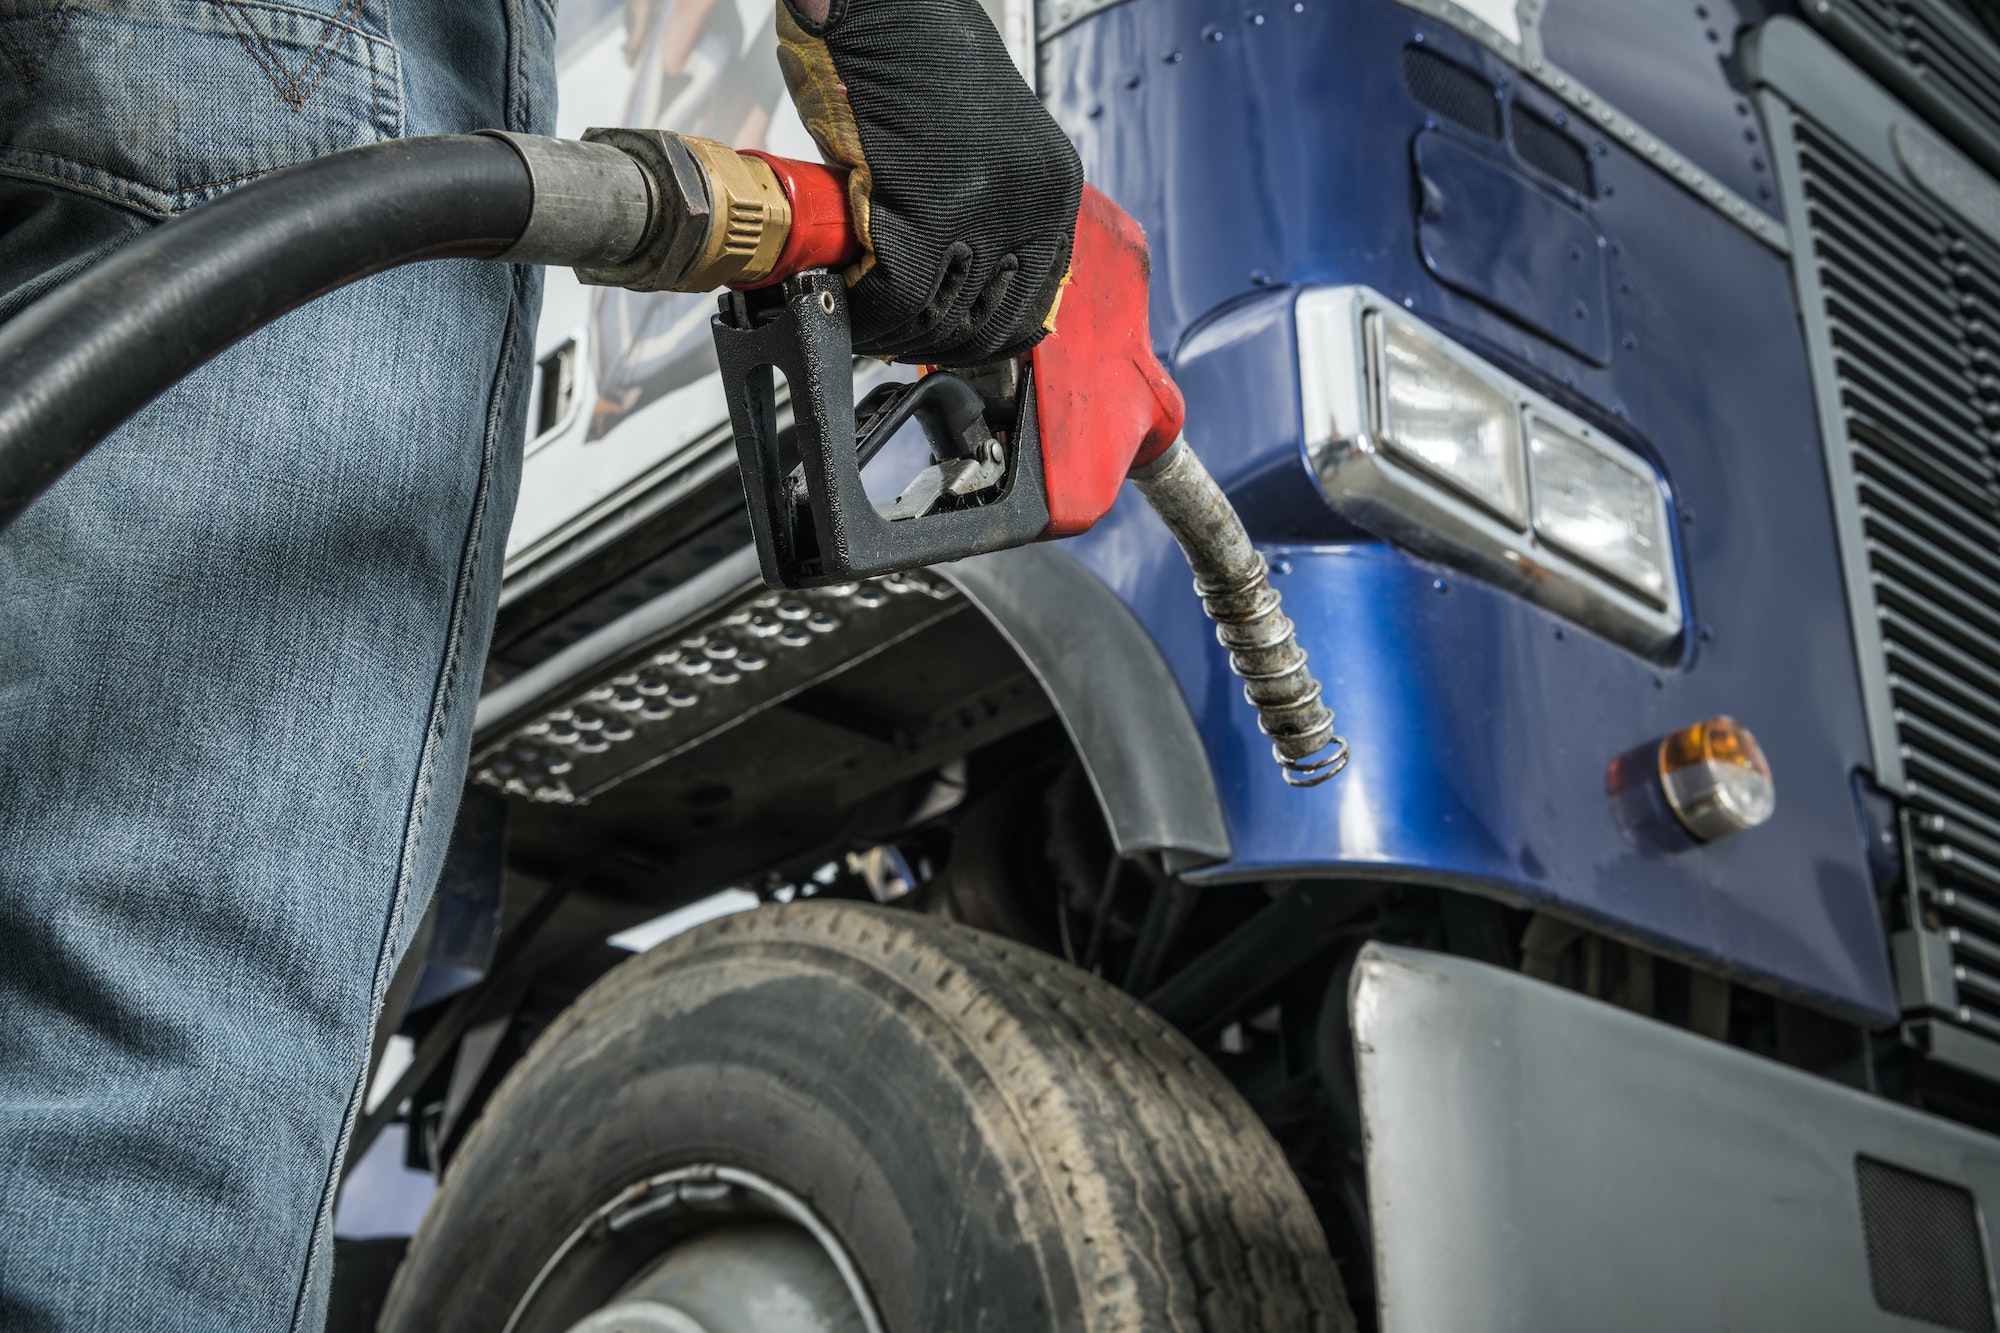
(1716, 778)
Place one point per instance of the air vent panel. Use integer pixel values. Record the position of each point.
(1543, 146)
(1926, 1254)
(1452, 91)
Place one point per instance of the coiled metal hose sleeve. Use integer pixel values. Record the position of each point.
(1236, 591)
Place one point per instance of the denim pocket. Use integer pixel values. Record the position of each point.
(162, 104)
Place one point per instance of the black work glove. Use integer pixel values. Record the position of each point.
(964, 190)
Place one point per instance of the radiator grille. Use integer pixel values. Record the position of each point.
(1941, 56)
(1912, 313)
(1926, 1256)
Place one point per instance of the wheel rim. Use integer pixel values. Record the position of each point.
(719, 1249)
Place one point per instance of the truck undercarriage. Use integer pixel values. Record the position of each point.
(898, 750)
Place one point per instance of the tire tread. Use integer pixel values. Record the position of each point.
(1177, 1210)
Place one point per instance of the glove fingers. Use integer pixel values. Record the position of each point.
(970, 189)
(821, 98)
(942, 322)
(977, 309)
(979, 334)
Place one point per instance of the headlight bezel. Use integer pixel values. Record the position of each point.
(1376, 483)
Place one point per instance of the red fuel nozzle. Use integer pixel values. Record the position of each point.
(1103, 401)
(819, 233)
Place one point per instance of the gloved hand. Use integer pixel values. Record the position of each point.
(962, 187)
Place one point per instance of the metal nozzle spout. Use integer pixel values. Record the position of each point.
(1236, 591)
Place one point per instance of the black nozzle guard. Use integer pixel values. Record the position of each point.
(826, 530)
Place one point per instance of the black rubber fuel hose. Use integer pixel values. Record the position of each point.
(78, 362)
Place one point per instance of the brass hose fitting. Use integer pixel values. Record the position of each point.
(748, 220)
(716, 216)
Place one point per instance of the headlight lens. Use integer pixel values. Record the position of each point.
(1445, 418)
(1601, 507)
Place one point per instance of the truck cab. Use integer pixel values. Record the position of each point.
(1612, 388)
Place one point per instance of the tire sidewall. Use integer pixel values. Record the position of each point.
(807, 1067)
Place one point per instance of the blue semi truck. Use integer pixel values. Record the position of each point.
(1613, 389)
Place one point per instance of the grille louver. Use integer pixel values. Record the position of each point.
(1939, 56)
(1911, 311)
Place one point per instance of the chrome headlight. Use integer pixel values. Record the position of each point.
(1438, 414)
(1601, 505)
(1441, 451)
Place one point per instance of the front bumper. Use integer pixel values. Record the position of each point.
(1542, 1161)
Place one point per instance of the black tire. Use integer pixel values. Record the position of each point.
(1001, 1141)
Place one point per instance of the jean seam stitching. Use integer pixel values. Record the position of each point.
(395, 129)
(118, 175)
(436, 735)
(31, 71)
(244, 38)
(323, 53)
(289, 89)
(96, 192)
(517, 92)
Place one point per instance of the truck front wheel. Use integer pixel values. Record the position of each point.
(826, 1118)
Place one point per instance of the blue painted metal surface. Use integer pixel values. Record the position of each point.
(1269, 146)
(1491, 233)
(1671, 65)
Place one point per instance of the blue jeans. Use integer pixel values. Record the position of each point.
(240, 646)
